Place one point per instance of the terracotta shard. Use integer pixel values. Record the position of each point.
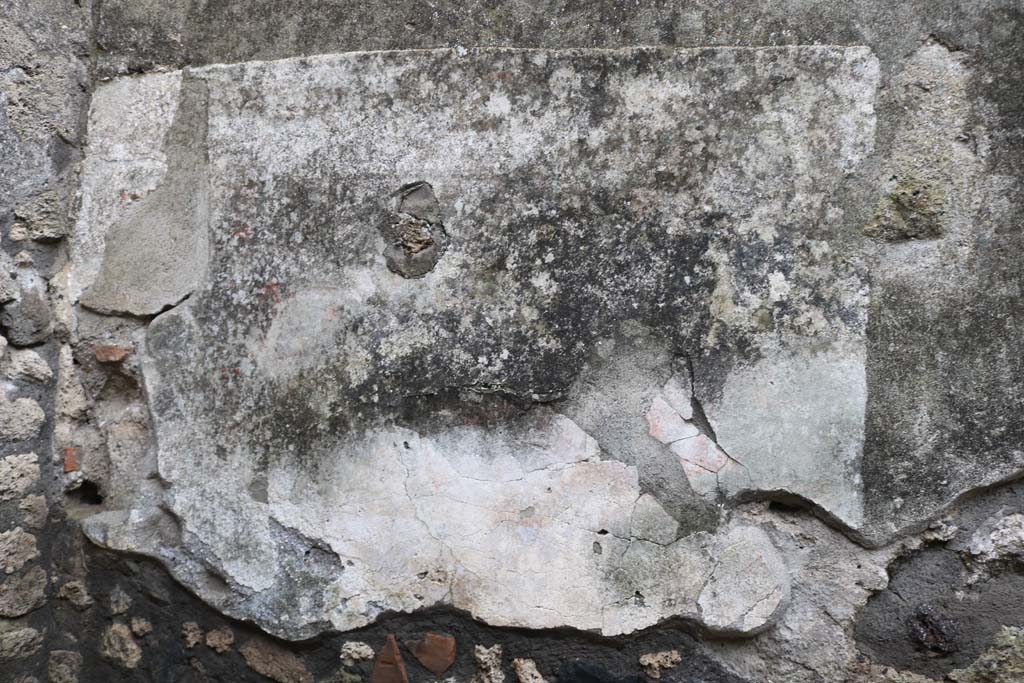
(389, 667)
(70, 459)
(110, 353)
(434, 651)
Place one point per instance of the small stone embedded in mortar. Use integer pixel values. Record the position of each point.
(932, 631)
(911, 210)
(415, 238)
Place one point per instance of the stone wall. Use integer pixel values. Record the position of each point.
(556, 341)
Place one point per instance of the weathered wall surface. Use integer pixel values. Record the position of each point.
(683, 344)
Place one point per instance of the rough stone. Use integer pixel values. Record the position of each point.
(653, 663)
(63, 666)
(119, 602)
(909, 211)
(28, 320)
(526, 671)
(42, 219)
(941, 530)
(141, 628)
(20, 419)
(932, 632)
(868, 672)
(435, 651)
(18, 642)
(77, 594)
(343, 676)
(18, 473)
(72, 401)
(488, 664)
(220, 639)
(25, 365)
(17, 547)
(191, 634)
(1000, 537)
(274, 662)
(354, 651)
(119, 647)
(34, 511)
(8, 287)
(23, 592)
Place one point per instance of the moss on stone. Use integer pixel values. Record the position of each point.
(1003, 662)
(911, 210)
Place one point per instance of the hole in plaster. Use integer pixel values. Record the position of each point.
(88, 493)
(783, 508)
(413, 231)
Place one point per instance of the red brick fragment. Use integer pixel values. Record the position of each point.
(111, 353)
(70, 459)
(436, 652)
(389, 667)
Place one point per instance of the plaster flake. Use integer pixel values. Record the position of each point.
(124, 162)
(306, 398)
